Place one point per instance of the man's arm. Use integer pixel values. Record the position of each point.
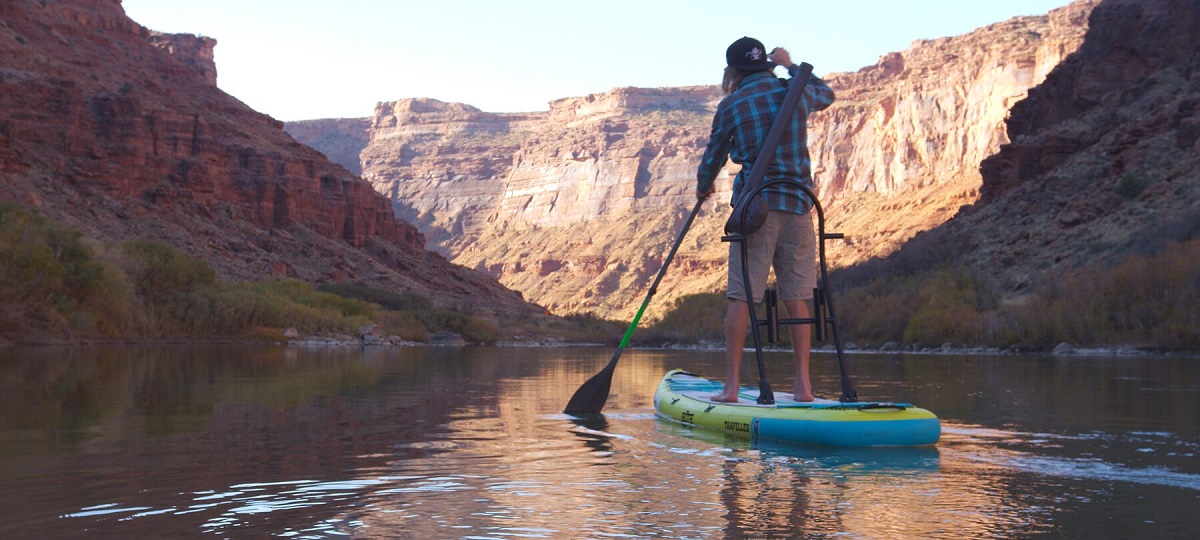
(715, 156)
(817, 95)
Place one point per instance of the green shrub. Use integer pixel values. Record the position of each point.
(52, 270)
(103, 297)
(1141, 301)
(402, 301)
(413, 317)
(1131, 185)
(873, 316)
(306, 294)
(404, 324)
(158, 272)
(296, 304)
(1144, 301)
(27, 258)
(948, 307)
(588, 328)
(692, 318)
(472, 329)
(57, 283)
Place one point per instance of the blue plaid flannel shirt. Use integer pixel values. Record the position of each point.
(741, 123)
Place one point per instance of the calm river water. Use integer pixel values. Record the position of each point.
(253, 442)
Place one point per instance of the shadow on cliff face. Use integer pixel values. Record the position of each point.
(1099, 188)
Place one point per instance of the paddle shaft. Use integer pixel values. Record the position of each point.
(591, 397)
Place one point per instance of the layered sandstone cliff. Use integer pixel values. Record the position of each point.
(576, 207)
(121, 132)
(192, 50)
(340, 139)
(460, 172)
(900, 151)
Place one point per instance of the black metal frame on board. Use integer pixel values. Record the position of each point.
(823, 319)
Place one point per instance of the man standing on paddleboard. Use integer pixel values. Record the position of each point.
(787, 240)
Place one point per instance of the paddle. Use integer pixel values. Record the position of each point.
(590, 397)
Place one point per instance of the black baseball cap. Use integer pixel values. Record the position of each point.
(748, 54)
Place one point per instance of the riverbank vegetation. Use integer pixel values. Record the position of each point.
(1143, 301)
(60, 286)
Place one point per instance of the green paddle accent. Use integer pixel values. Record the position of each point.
(591, 396)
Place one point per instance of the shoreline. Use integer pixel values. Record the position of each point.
(454, 340)
(1062, 349)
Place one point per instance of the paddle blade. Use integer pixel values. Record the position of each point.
(593, 394)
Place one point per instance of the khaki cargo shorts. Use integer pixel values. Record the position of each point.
(786, 242)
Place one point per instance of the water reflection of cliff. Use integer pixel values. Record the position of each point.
(167, 421)
(435, 442)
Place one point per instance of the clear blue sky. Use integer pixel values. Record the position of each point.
(307, 59)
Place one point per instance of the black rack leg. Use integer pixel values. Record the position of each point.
(819, 314)
(771, 302)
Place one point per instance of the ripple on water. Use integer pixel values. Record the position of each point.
(1034, 453)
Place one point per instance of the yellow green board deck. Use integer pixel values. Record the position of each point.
(685, 398)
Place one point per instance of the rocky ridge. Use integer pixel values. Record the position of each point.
(576, 207)
(119, 131)
(1105, 154)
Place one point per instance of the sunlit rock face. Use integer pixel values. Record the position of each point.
(900, 151)
(577, 206)
(456, 170)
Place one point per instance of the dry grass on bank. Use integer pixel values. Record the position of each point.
(61, 286)
(1145, 301)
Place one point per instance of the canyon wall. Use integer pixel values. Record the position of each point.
(577, 206)
(900, 151)
(340, 139)
(1105, 157)
(1139, 49)
(457, 171)
(119, 131)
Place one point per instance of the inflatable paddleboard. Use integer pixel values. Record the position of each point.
(685, 398)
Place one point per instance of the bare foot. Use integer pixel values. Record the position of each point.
(802, 397)
(726, 397)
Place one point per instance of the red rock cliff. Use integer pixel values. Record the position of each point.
(106, 131)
